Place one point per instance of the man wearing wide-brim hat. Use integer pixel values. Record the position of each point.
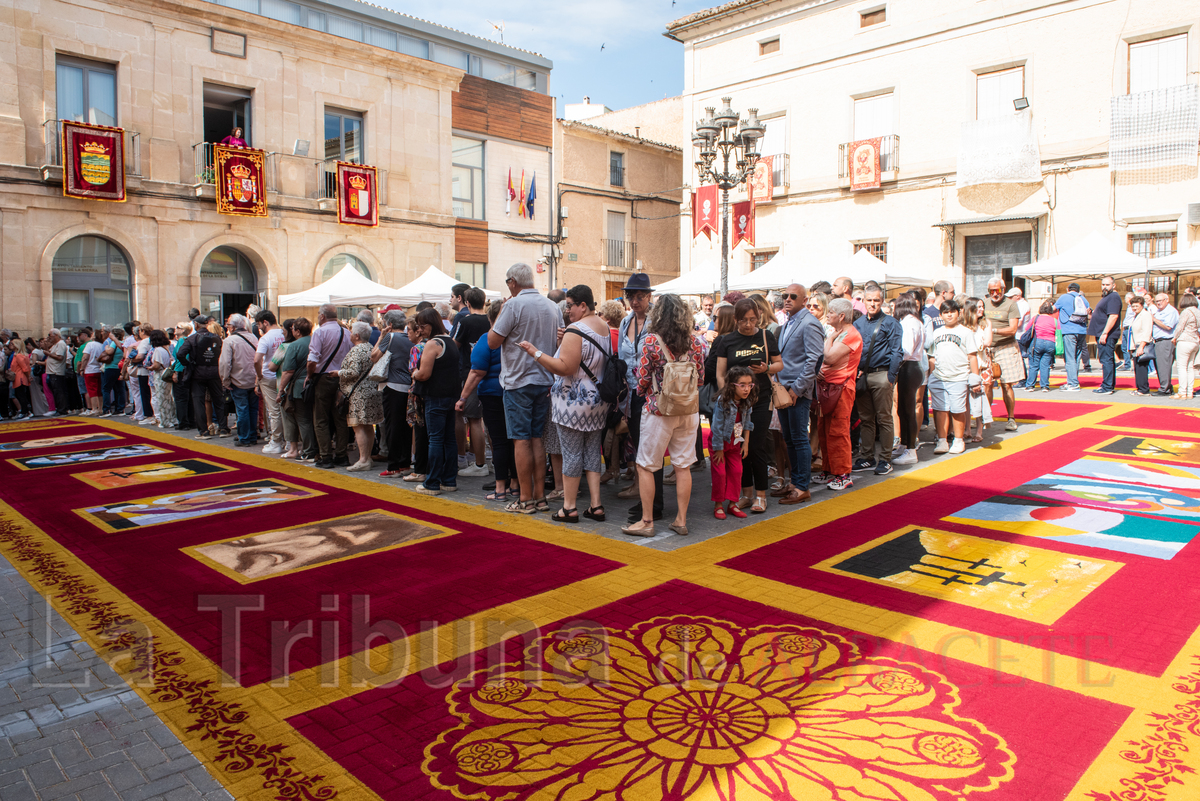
(630, 337)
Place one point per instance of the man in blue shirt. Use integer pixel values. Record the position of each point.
(1166, 320)
(1073, 311)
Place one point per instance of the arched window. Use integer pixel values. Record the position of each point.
(92, 283)
(228, 283)
(335, 265)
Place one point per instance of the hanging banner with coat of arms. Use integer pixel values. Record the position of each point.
(358, 199)
(762, 187)
(704, 211)
(864, 164)
(93, 162)
(743, 222)
(241, 181)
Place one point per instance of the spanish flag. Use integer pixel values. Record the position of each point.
(521, 198)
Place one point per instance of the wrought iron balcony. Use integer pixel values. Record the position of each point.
(889, 160)
(620, 254)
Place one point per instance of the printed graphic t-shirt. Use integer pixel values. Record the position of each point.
(951, 349)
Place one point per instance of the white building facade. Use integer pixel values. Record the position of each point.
(962, 196)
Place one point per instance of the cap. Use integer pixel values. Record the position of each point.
(1072, 287)
(1012, 293)
(201, 319)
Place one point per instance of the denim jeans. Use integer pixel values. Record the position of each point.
(443, 446)
(793, 425)
(1127, 348)
(112, 390)
(1073, 347)
(1040, 357)
(245, 406)
(1106, 350)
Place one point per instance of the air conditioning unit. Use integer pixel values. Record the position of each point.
(1193, 214)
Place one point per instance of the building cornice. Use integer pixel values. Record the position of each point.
(611, 134)
(734, 16)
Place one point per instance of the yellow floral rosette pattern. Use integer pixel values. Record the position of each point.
(692, 707)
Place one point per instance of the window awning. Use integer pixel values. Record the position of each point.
(989, 220)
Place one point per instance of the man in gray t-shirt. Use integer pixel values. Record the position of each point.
(526, 317)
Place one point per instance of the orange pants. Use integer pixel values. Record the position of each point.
(834, 431)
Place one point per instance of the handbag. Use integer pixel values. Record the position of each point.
(379, 370)
(828, 395)
(1059, 348)
(1026, 340)
(780, 397)
(310, 384)
(343, 406)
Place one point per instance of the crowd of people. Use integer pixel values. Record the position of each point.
(557, 395)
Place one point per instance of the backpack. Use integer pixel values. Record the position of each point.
(611, 385)
(1080, 314)
(208, 351)
(679, 393)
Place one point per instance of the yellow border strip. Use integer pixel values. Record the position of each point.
(194, 550)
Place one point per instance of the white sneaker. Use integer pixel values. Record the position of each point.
(907, 457)
(474, 470)
(273, 447)
(49, 414)
(958, 447)
(942, 446)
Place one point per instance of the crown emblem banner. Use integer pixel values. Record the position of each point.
(93, 162)
(358, 196)
(864, 164)
(241, 183)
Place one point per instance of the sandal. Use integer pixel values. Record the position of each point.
(521, 507)
(553, 495)
(540, 505)
(760, 505)
(977, 438)
(565, 515)
(496, 496)
(595, 513)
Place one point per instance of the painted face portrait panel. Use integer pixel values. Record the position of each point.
(115, 477)
(51, 442)
(189, 505)
(84, 457)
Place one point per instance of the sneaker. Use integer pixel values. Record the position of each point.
(49, 414)
(958, 446)
(391, 474)
(1045, 389)
(840, 483)
(822, 478)
(474, 470)
(1103, 391)
(1011, 425)
(1069, 389)
(882, 468)
(941, 447)
(863, 465)
(204, 435)
(224, 432)
(149, 421)
(424, 490)
(107, 414)
(908, 457)
(464, 461)
(273, 447)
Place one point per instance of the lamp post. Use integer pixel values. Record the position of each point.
(719, 132)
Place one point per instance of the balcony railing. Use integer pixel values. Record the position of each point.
(202, 154)
(781, 173)
(51, 134)
(327, 182)
(889, 157)
(620, 254)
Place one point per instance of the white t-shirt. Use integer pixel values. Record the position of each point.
(950, 348)
(143, 349)
(58, 366)
(267, 346)
(92, 351)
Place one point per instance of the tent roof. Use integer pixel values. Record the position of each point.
(1095, 256)
(860, 268)
(348, 281)
(432, 285)
(1184, 261)
(700, 281)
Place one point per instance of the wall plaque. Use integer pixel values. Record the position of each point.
(228, 43)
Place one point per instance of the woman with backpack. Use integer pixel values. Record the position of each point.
(575, 404)
(669, 373)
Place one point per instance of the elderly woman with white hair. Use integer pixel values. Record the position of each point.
(362, 396)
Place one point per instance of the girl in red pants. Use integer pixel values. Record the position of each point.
(730, 426)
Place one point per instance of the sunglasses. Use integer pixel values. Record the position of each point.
(791, 296)
(812, 305)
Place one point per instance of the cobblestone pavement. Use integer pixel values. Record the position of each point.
(72, 728)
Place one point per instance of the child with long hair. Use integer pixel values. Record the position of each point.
(980, 405)
(730, 425)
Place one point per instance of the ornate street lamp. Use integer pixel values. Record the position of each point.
(720, 132)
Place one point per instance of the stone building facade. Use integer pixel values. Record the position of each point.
(310, 83)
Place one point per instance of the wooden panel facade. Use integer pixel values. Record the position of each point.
(471, 241)
(506, 112)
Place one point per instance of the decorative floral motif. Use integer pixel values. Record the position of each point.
(687, 707)
(156, 672)
(1162, 751)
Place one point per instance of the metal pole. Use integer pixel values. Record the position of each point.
(724, 242)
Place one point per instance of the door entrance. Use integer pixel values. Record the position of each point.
(995, 256)
(228, 283)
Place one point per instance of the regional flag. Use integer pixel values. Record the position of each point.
(512, 194)
(531, 197)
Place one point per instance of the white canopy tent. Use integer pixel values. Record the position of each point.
(701, 281)
(860, 268)
(432, 285)
(349, 282)
(1095, 256)
(1182, 262)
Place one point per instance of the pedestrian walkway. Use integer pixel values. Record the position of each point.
(271, 630)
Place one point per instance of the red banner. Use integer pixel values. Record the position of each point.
(93, 162)
(358, 196)
(241, 181)
(864, 164)
(762, 187)
(704, 211)
(743, 223)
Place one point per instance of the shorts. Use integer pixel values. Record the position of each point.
(673, 435)
(472, 408)
(92, 382)
(526, 410)
(947, 396)
(1012, 365)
